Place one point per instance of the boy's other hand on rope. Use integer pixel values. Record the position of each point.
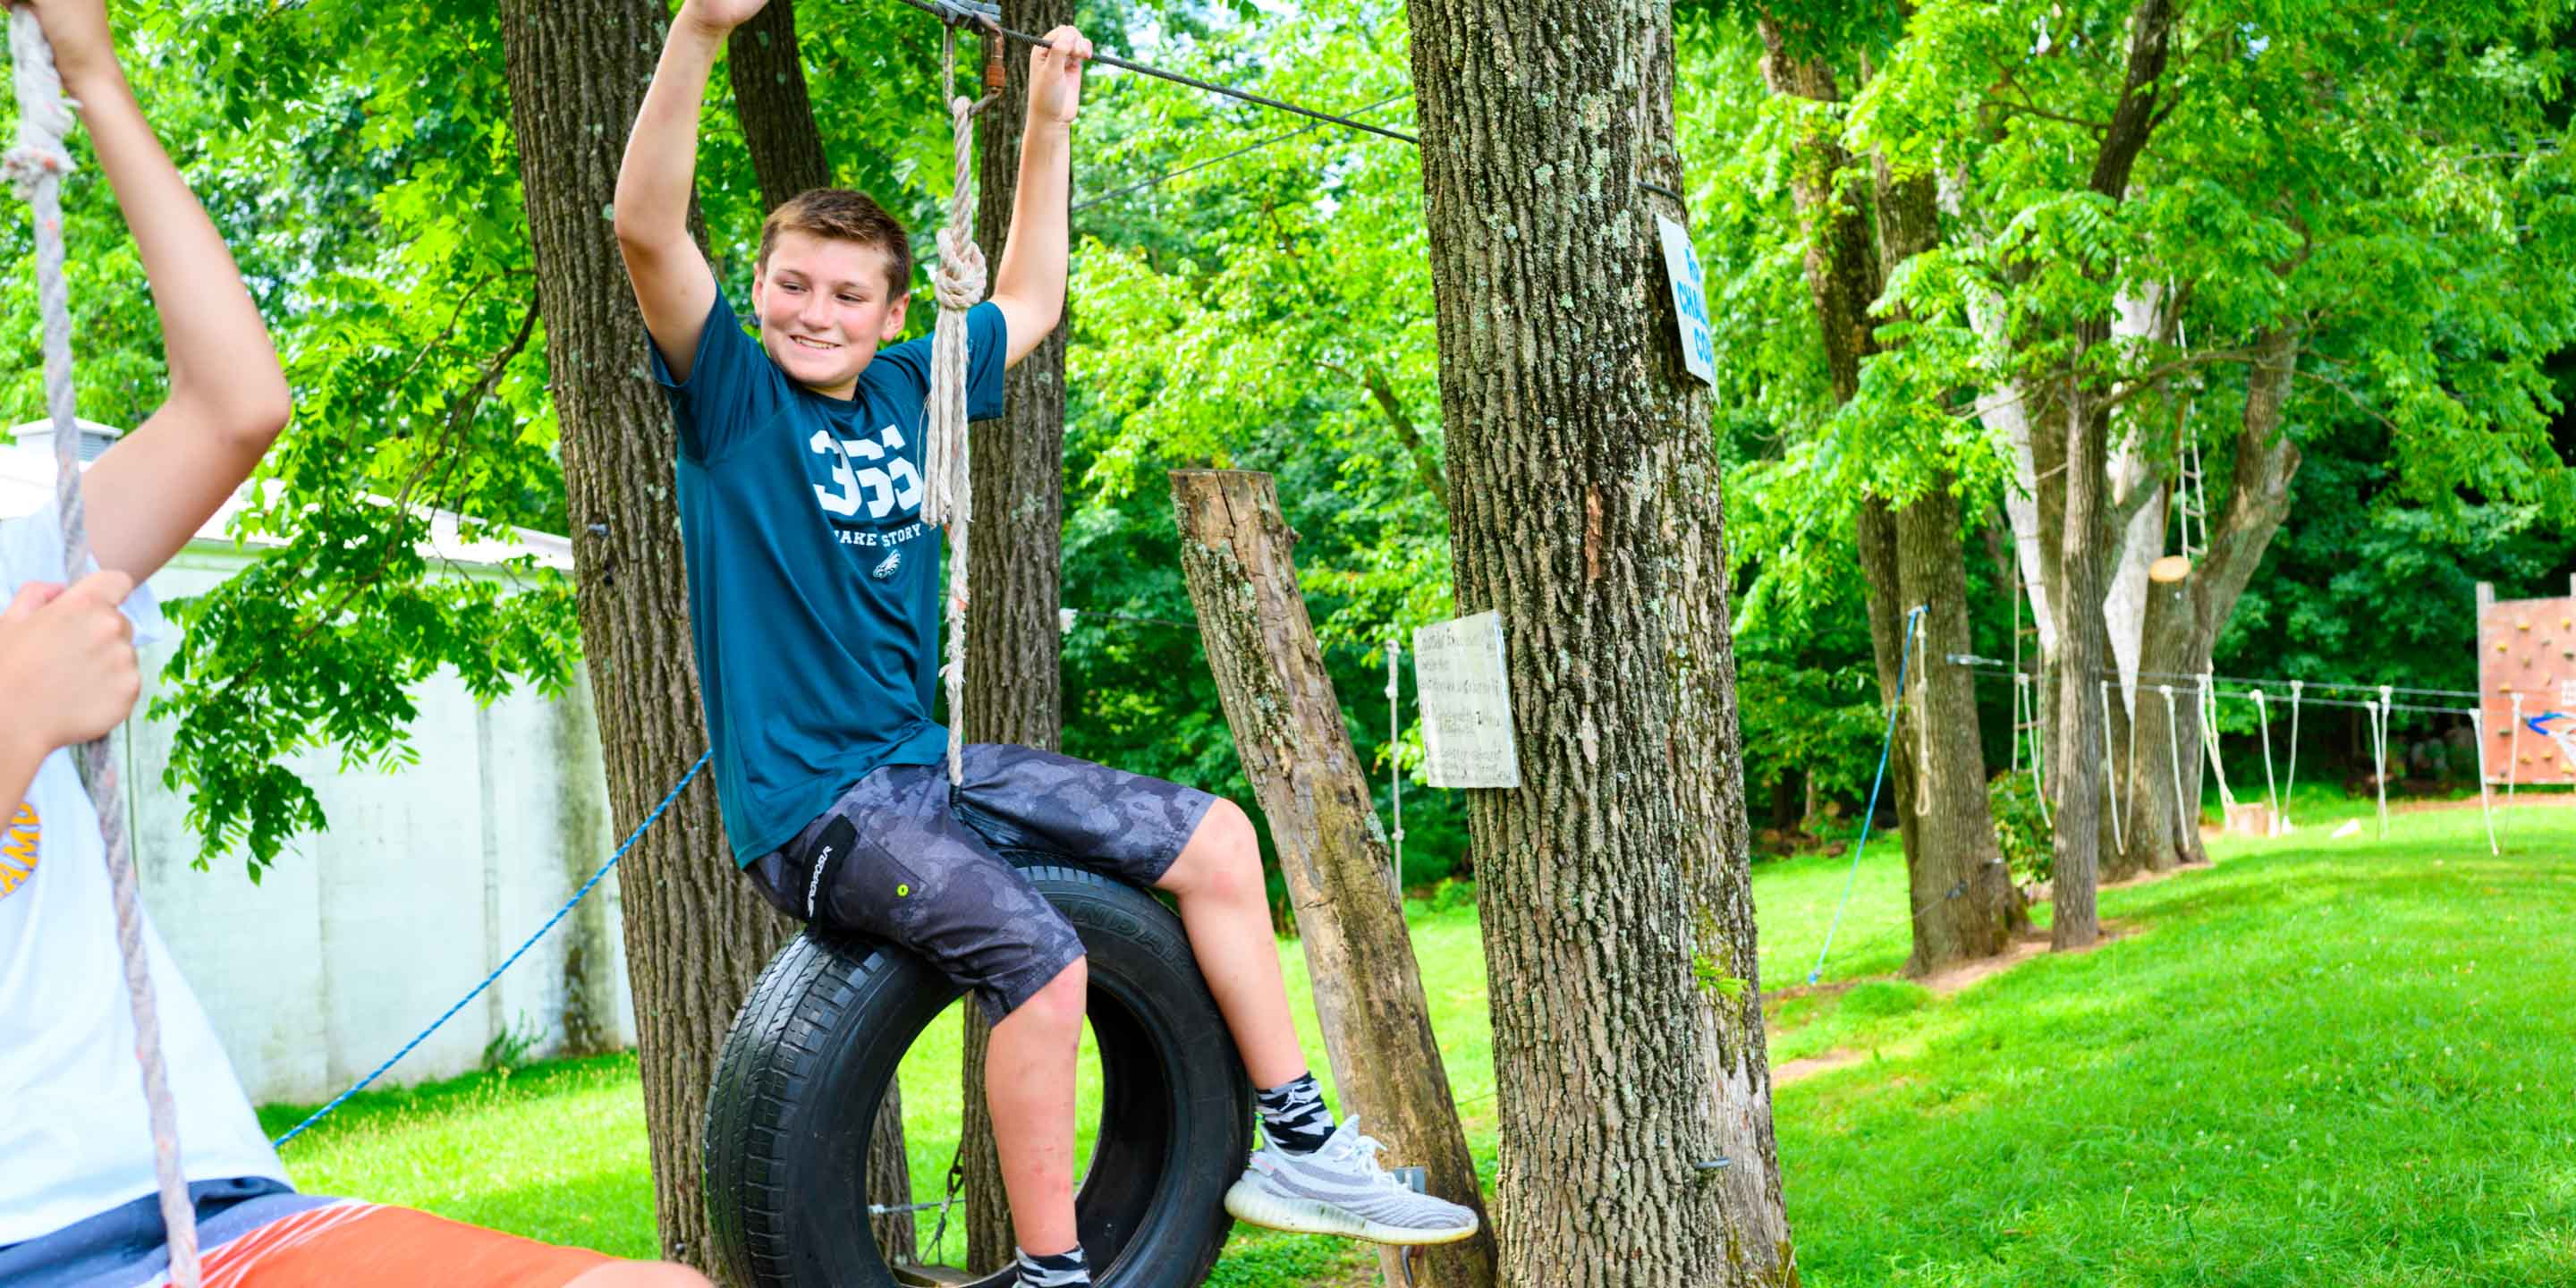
(722, 15)
(77, 29)
(67, 659)
(1055, 77)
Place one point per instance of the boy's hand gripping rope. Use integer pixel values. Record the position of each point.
(948, 492)
(36, 167)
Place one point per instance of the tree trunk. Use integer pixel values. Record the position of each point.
(696, 933)
(1842, 269)
(1014, 633)
(2083, 659)
(2186, 614)
(1964, 903)
(767, 70)
(1585, 506)
(1287, 725)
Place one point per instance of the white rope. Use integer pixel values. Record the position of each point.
(2478, 726)
(2111, 771)
(2129, 695)
(947, 473)
(2173, 746)
(2379, 750)
(2263, 717)
(36, 166)
(2290, 787)
(2513, 760)
(2208, 713)
(2038, 779)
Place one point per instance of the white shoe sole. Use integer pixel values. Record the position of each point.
(1257, 1205)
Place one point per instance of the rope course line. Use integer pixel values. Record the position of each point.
(2290, 788)
(1159, 180)
(36, 166)
(2379, 753)
(2240, 687)
(531, 942)
(2478, 728)
(1904, 653)
(2110, 774)
(2263, 715)
(2173, 746)
(955, 15)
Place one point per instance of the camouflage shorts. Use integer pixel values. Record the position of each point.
(905, 858)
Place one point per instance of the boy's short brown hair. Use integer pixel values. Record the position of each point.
(842, 215)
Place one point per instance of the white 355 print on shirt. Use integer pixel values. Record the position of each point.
(857, 482)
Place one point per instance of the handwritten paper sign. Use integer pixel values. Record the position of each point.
(1690, 302)
(1466, 703)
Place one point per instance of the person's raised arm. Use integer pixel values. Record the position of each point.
(673, 284)
(1029, 286)
(148, 494)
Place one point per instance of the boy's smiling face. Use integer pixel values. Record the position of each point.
(825, 306)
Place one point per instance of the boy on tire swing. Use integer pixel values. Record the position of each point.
(814, 606)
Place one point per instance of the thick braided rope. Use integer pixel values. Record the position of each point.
(948, 486)
(36, 166)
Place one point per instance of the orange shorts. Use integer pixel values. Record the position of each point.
(388, 1247)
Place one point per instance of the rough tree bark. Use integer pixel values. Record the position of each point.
(1842, 269)
(1287, 725)
(696, 933)
(2184, 617)
(1963, 899)
(1585, 507)
(1014, 636)
(767, 71)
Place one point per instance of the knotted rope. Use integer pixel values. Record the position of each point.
(948, 491)
(2111, 770)
(36, 166)
(2263, 715)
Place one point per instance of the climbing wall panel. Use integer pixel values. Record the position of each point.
(2527, 649)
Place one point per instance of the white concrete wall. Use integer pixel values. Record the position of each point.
(428, 876)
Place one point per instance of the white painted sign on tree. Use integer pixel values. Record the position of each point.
(1690, 300)
(1466, 703)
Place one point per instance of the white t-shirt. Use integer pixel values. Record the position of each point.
(75, 1134)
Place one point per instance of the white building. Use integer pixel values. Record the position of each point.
(356, 938)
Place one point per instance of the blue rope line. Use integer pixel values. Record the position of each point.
(1904, 650)
(577, 896)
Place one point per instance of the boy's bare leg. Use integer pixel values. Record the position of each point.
(1028, 1082)
(1226, 908)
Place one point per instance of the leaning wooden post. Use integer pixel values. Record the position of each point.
(1288, 728)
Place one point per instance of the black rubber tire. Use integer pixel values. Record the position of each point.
(818, 1041)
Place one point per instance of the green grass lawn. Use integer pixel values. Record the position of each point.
(2322, 1062)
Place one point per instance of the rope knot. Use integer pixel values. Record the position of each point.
(959, 278)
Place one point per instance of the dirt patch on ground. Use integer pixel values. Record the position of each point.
(1808, 1066)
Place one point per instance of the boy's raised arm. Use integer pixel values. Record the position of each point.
(1028, 287)
(148, 495)
(673, 284)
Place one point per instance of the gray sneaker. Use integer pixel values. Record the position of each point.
(1340, 1189)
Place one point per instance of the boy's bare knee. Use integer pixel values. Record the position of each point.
(1060, 1003)
(1222, 859)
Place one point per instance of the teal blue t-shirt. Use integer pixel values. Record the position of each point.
(813, 584)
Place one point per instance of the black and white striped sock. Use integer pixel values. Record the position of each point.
(1293, 1116)
(1063, 1270)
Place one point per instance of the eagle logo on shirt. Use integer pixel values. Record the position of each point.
(19, 847)
(885, 569)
